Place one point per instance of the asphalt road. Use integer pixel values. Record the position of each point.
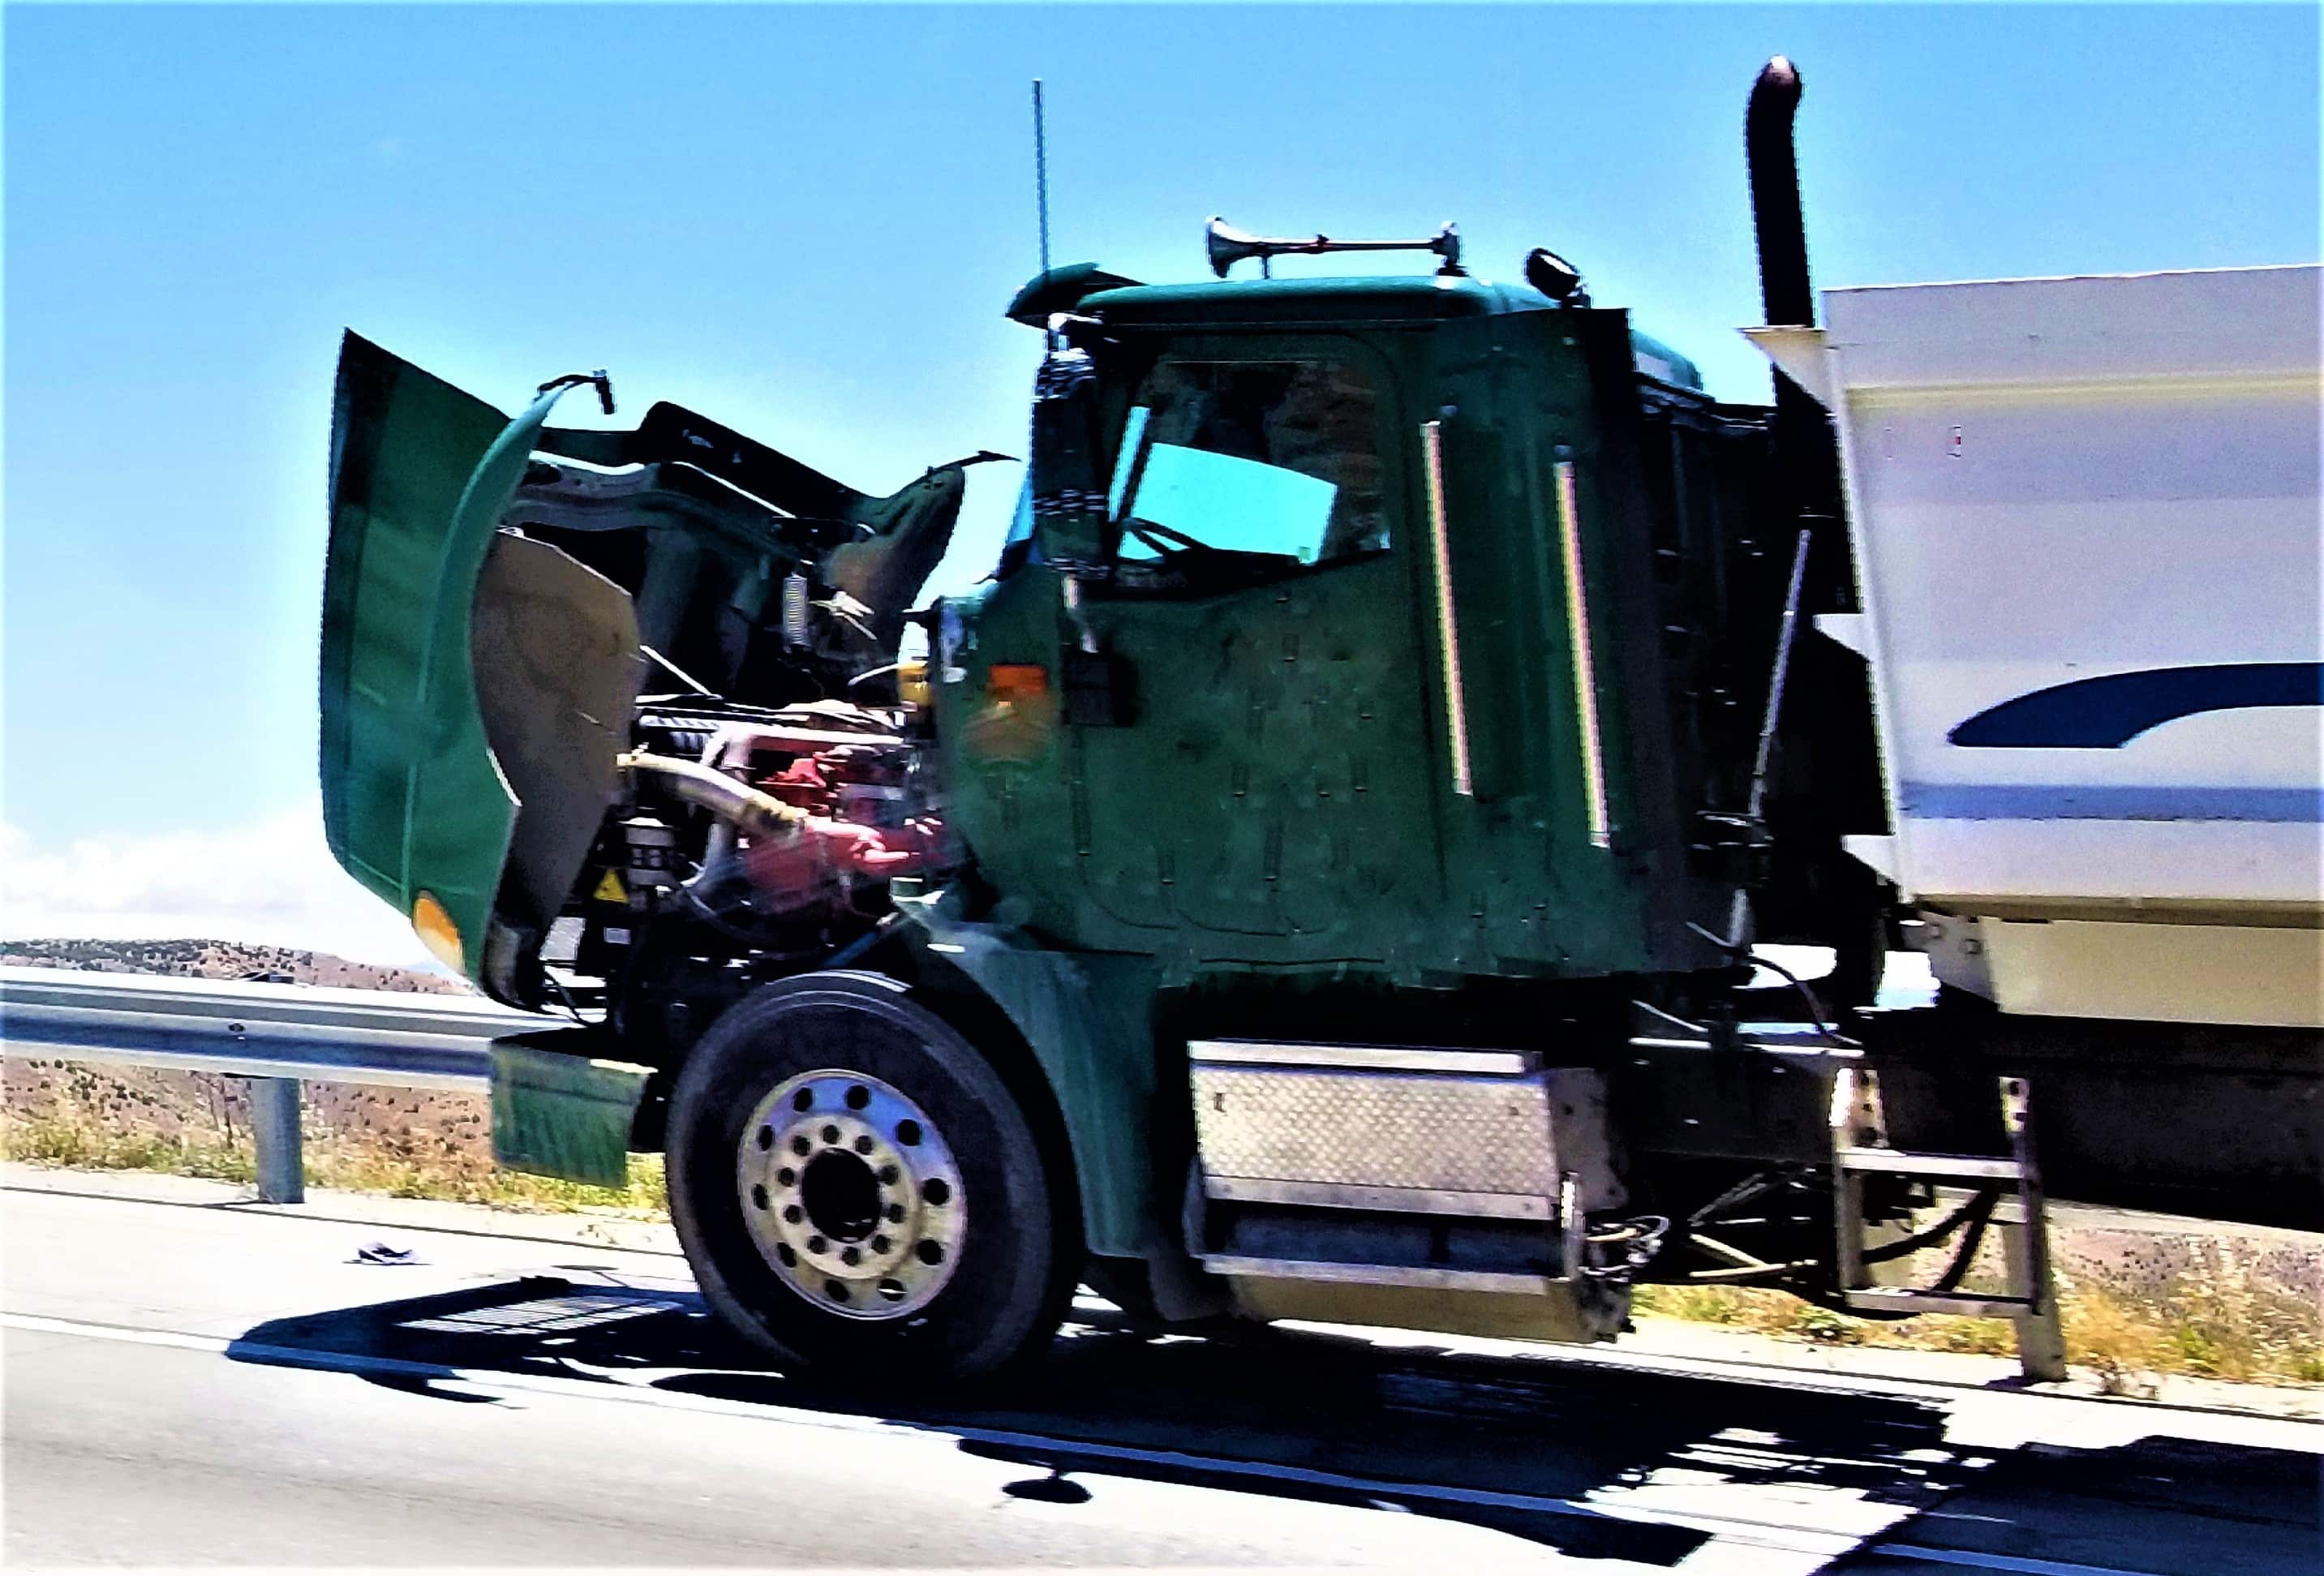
(191, 1382)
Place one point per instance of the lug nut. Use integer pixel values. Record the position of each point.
(850, 1256)
(799, 1146)
(793, 1213)
(888, 1174)
(895, 1213)
(863, 1143)
(879, 1244)
(786, 1178)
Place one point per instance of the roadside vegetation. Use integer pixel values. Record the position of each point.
(401, 1143)
(352, 1163)
(2216, 1308)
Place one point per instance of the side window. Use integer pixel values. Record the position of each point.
(1269, 459)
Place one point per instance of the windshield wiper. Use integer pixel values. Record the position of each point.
(1163, 539)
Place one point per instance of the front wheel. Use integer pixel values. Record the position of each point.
(859, 1192)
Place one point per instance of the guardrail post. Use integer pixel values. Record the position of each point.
(274, 1125)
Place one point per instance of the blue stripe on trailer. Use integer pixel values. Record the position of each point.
(2108, 712)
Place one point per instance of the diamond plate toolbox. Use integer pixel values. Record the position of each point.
(1435, 1131)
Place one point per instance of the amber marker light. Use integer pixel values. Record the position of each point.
(1016, 682)
(437, 933)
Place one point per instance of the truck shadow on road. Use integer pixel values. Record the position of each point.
(1595, 1461)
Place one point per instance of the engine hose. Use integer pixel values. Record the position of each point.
(748, 811)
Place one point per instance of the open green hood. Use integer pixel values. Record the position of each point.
(493, 588)
(415, 804)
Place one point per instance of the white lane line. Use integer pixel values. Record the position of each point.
(250, 1206)
(1730, 1531)
(1619, 1358)
(1725, 1530)
(2014, 1562)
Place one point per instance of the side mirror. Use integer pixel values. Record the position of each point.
(1068, 486)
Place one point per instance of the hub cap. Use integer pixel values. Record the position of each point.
(852, 1194)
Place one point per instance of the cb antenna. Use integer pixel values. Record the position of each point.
(1041, 171)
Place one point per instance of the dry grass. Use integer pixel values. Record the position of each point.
(194, 1124)
(50, 1140)
(2222, 1317)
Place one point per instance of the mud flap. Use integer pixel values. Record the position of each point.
(556, 1113)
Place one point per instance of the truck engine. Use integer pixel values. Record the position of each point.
(702, 760)
(751, 839)
(773, 780)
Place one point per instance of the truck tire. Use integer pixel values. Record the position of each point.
(859, 1194)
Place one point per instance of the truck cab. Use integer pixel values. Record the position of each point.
(1342, 595)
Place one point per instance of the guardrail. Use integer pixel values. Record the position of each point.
(275, 1036)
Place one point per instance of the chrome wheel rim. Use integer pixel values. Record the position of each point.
(852, 1194)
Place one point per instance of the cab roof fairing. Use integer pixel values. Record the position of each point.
(1086, 288)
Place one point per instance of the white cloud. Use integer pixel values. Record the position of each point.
(272, 881)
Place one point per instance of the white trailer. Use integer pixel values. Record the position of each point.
(2085, 515)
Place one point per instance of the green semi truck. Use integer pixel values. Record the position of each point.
(1315, 874)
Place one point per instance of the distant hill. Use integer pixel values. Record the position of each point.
(224, 959)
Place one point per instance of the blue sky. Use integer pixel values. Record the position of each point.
(805, 223)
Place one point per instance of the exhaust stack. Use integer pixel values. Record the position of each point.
(1782, 234)
(1803, 450)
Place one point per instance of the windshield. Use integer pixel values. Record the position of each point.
(1277, 458)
